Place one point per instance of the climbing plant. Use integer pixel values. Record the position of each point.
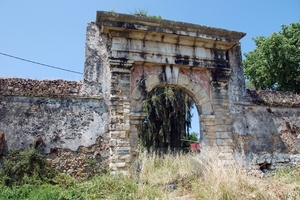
(168, 117)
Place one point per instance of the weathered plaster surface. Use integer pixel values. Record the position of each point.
(62, 123)
(268, 134)
(96, 67)
(52, 116)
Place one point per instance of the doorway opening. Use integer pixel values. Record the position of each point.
(167, 125)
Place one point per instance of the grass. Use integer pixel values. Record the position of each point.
(170, 176)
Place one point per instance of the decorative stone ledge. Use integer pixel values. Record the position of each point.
(126, 21)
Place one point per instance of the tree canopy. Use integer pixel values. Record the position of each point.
(275, 63)
(168, 111)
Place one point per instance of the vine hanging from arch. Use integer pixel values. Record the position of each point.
(168, 117)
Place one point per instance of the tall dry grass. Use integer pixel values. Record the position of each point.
(206, 176)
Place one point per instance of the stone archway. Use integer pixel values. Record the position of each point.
(127, 56)
(198, 89)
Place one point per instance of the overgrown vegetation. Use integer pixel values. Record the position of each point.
(168, 118)
(25, 167)
(144, 12)
(168, 176)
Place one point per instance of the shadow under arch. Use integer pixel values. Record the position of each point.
(181, 81)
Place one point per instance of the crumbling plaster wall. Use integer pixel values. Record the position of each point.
(268, 135)
(265, 131)
(54, 117)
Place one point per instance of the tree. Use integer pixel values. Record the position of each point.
(275, 63)
(168, 111)
(193, 136)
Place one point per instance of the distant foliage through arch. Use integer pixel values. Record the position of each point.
(168, 118)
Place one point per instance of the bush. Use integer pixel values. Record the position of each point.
(25, 167)
(158, 176)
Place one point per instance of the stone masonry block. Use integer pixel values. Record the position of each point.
(221, 114)
(194, 87)
(133, 128)
(219, 95)
(206, 118)
(126, 105)
(113, 142)
(126, 117)
(133, 142)
(223, 102)
(135, 122)
(223, 120)
(205, 99)
(151, 82)
(209, 129)
(210, 136)
(220, 108)
(209, 123)
(224, 142)
(123, 142)
(183, 80)
(120, 164)
(134, 134)
(223, 128)
(126, 112)
(223, 135)
(200, 97)
(125, 158)
(118, 134)
(206, 108)
(136, 106)
(119, 127)
(210, 142)
(137, 93)
(126, 127)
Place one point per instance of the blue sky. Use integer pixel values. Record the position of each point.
(53, 32)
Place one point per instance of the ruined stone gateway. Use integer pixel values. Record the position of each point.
(126, 57)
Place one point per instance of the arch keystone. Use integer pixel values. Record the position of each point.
(151, 82)
(183, 80)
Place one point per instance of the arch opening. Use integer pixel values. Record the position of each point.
(167, 122)
(194, 86)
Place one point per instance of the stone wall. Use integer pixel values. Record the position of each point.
(267, 129)
(53, 116)
(35, 88)
(265, 124)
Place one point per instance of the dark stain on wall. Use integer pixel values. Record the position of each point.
(163, 76)
(182, 60)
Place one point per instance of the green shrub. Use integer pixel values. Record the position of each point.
(25, 167)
